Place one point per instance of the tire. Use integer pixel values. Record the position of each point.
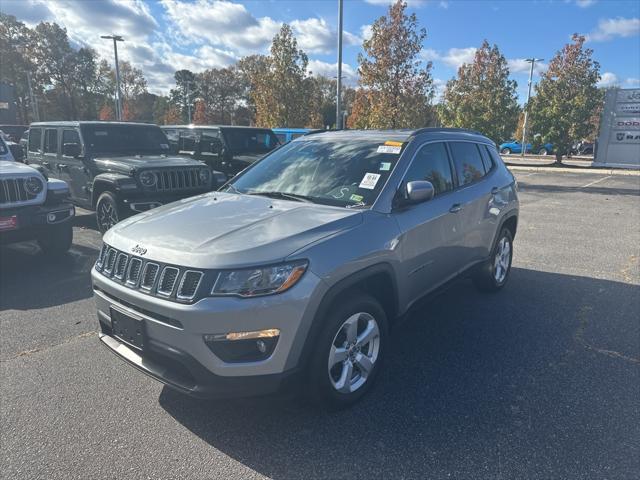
(494, 273)
(57, 240)
(107, 213)
(543, 151)
(328, 386)
(505, 151)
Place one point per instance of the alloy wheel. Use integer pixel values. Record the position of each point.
(107, 216)
(502, 260)
(354, 352)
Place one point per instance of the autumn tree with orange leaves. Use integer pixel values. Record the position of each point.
(567, 97)
(395, 87)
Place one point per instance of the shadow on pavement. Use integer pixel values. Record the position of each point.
(475, 386)
(537, 188)
(31, 280)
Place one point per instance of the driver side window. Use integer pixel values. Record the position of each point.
(431, 163)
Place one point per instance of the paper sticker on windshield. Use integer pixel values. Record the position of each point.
(389, 149)
(356, 198)
(385, 166)
(369, 181)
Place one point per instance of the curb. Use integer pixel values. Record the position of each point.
(601, 171)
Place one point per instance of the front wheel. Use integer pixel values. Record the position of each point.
(543, 151)
(349, 352)
(505, 151)
(57, 240)
(107, 214)
(493, 274)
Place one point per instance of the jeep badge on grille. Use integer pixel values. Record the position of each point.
(138, 250)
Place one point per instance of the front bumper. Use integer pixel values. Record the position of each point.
(176, 354)
(33, 221)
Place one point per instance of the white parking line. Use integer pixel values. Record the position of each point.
(597, 181)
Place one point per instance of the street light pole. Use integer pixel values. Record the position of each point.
(339, 79)
(116, 39)
(532, 61)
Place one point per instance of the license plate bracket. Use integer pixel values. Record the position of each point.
(127, 328)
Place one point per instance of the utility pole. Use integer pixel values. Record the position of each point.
(339, 79)
(189, 104)
(22, 49)
(116, 39)
(532, 61)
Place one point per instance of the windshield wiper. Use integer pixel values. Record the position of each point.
(287, 196)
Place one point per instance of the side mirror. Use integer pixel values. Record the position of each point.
(71, 150)
(419, 191)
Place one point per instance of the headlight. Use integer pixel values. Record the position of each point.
(33, 185)
(252, 282)
(205, 175)
(148, 179)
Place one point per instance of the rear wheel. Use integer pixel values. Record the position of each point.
(505, 151)
(107, 214)
(543, 151)
(493, 274)
(349, 352)
(57, 240)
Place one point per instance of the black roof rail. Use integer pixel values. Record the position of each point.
(446, 129)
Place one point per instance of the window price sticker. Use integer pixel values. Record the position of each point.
(389, 149)
(370, 180)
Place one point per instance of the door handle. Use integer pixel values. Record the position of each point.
(62, 166)
(45, 164)
(455, 208)
(495, 190)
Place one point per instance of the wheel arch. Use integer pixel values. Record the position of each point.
(103, 183)
(377, 280)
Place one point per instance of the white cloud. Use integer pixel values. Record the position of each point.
(632, 82)
(439, 86)
(456, 57)
(330, 70)
(315, 36)
(429, 54)
(608, 79)
(585, 3)
(366, 32)
(520, 65)
(610, 28)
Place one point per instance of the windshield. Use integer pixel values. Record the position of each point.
(331, 172)
(246, 140)
(134, 139)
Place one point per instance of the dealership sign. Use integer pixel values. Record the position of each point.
(626, 123)
(628, 108)
(625, 137)
(628, 96)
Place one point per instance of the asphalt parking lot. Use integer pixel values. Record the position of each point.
(539, 381)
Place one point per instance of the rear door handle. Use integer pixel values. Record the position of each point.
(455, 208)
(62, 166)
(45, 164)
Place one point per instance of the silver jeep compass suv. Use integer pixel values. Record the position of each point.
(299, 267)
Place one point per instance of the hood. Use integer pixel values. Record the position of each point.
(17, 168)
(222, 230)
(126, 163)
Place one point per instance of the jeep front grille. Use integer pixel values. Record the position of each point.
(166, 281)
(179, 179)
(13, 190)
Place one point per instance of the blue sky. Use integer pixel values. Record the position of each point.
(165, 35)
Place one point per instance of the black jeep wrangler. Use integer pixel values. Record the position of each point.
(115, 168)
(228, 149)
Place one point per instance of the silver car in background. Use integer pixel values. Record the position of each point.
(297, 270)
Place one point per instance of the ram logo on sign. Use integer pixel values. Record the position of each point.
(627, 137)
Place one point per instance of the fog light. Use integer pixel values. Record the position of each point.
(243, 346)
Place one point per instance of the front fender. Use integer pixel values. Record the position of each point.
(115, 182)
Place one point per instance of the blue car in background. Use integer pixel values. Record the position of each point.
(285, 135)
(513, 146)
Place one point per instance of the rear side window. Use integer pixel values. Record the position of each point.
(70, 136)
(486, 158)
(495, 157)
(468, 162)
(282, 137)
(35, 139)
(431, 163)
(51, 140)
(297, 135)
